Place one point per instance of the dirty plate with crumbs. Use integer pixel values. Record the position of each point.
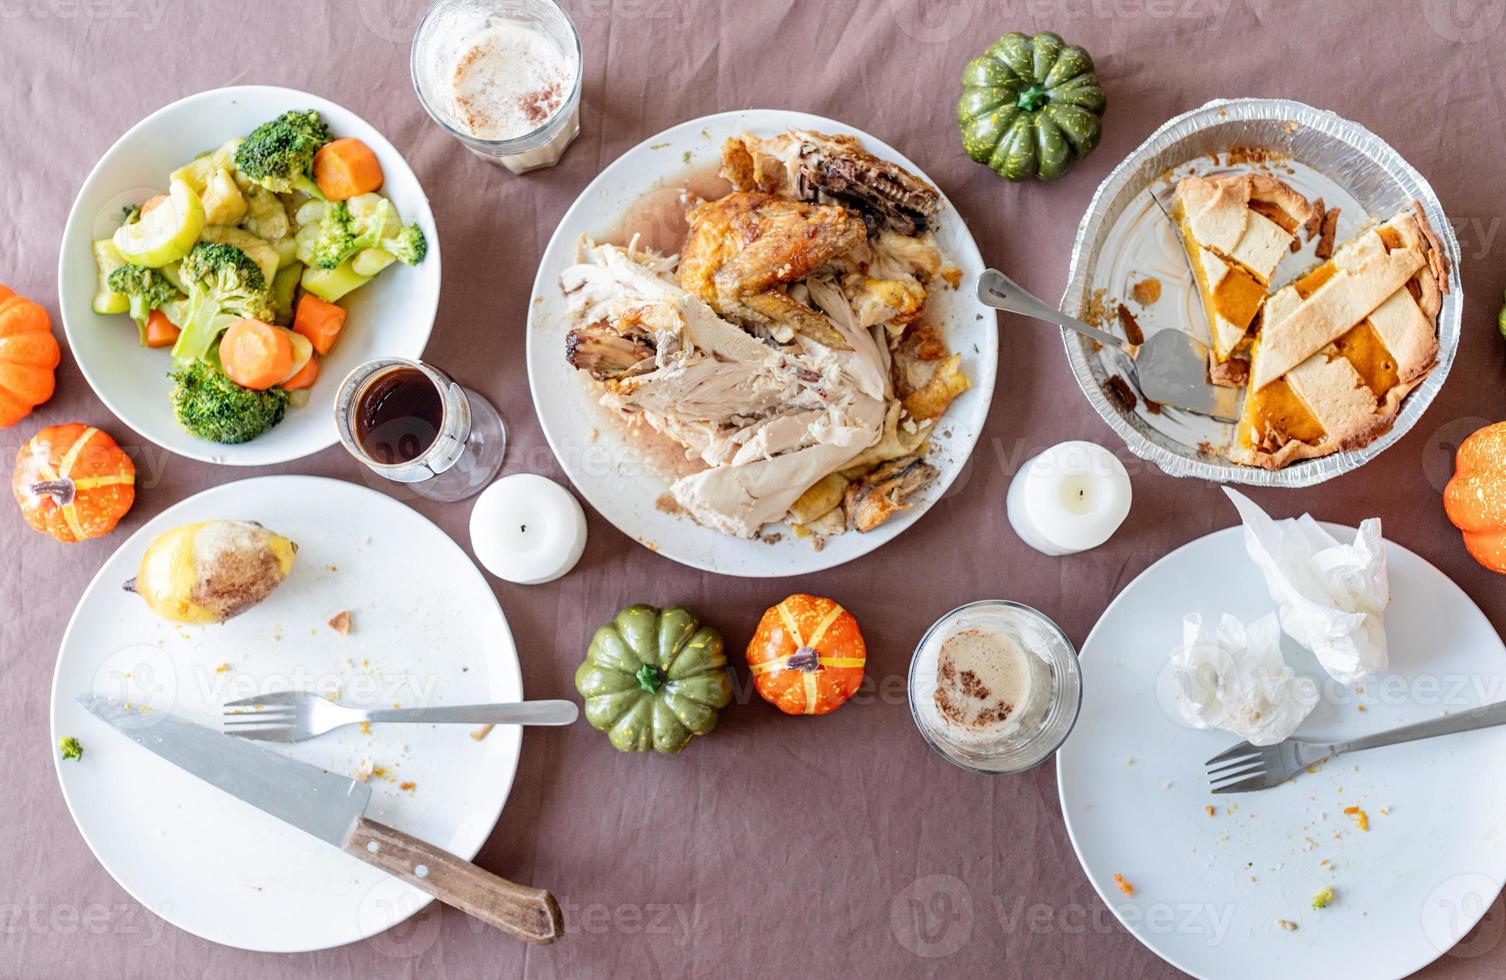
(349, 622)
(1407, 837)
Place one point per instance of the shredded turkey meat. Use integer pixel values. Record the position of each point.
(783, 351)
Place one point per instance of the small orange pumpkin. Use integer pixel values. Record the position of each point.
(73, 482)
(1475, 499)
(807, 655)
(29, 356)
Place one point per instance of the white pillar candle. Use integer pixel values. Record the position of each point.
(528, 529)
(1070, 498)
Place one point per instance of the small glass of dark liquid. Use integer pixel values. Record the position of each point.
(408, 422)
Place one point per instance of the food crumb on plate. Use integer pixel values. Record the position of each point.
(222, 668)
(1210, 810)
(1323, 898)
(407, 786)
(1123, 885)
(340, 622)
(365, 728)
(482, 732)
(1361, 818)
(1287, 924)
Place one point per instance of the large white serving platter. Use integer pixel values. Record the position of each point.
(216, 867)
(610, 473)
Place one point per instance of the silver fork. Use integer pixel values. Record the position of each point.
(1246, 768)
(292, 716)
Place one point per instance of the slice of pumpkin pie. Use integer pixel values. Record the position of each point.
(1342, 346)
(1236, 229)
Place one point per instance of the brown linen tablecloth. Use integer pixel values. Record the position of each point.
(778, 847)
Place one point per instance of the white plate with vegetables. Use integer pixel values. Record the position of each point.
(203, 860)
(231, 258)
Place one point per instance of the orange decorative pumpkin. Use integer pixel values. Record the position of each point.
(1475, 498)
(807, 655)
(73, 482)
(29, 356)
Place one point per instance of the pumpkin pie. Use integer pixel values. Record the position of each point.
(1341, 347)
(1236, 229)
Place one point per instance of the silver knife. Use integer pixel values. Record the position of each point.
(332, 808)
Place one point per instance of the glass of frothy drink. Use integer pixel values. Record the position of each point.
(501, 76)
(995, 687)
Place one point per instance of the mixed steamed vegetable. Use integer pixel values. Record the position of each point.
(240, 267)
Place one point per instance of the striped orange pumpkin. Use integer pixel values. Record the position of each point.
(73, 482)
(807, 655)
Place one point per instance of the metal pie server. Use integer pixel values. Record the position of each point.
(1171, 367)
(332, 808)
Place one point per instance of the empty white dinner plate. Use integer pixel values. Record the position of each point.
(1211, 891)
(217, 867)
(391, 315)
(638, 193)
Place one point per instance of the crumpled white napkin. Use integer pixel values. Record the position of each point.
(1236, 679)
(1331, 597)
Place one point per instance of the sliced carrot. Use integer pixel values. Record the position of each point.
(346, 167)
(160, 331)
(319, 321)
(256, 355)
(306, 375)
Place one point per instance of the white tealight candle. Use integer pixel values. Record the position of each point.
(528, 529)
(1070, 498)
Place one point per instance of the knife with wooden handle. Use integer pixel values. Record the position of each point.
(333, 808)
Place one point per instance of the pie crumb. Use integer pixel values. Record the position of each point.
(1146, 291)
(1326, 237)
(482, 732)
(340, 622)
(1120, 390)
(1287, 924)
(1124, 885)
(1315, 221)
(1129, 325)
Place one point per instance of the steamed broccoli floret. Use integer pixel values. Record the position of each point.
(130, 214)
(279, 155)
(408, 246)
(211, 406)
(367, 221)
(70, 748)
(146, 289)
(339, 237)
(223, 284)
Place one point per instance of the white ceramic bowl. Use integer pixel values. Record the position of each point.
(393, 314)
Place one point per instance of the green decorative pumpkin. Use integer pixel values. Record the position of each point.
(1030, 106)
(654, 679)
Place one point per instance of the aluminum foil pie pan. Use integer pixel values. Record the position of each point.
(1126, 239)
